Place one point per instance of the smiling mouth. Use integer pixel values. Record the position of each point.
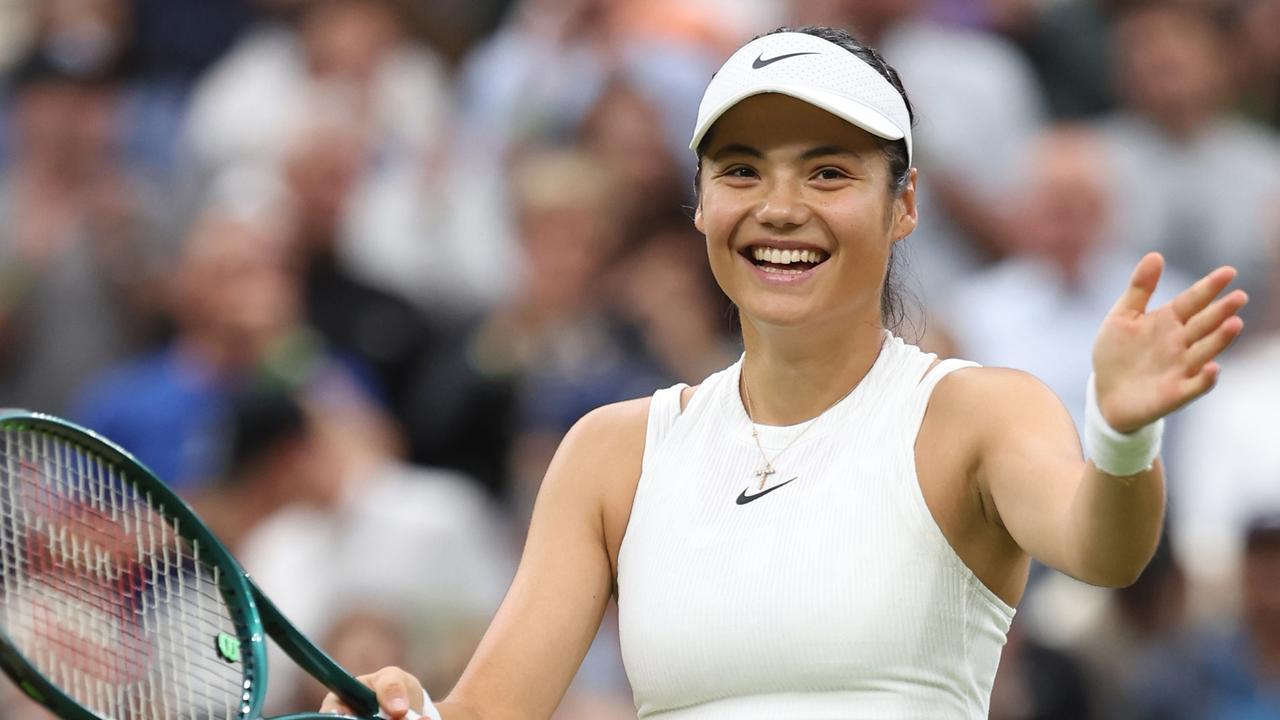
(787, 262)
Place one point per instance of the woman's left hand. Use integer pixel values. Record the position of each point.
(1149, 363)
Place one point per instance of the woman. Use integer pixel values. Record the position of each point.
(880, 578)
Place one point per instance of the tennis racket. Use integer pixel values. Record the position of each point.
(117, 603)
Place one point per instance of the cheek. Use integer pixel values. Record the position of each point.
(717, 218)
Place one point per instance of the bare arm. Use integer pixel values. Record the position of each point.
(552, 611)
(1061, 510)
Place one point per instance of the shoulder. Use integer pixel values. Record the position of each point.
(970, 389)
(616, 427)
(602, 452)
(995, 423)
(982, 401)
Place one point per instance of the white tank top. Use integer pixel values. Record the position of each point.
(831, 593)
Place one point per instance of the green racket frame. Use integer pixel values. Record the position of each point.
(262, 617)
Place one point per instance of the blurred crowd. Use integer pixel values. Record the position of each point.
(343, 272)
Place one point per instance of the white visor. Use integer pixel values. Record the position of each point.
(811, 69)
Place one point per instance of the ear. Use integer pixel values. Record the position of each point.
(905, 212)
(697, 217)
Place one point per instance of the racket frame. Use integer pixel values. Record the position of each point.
(260, 615)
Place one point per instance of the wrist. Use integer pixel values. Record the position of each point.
(1121, 454)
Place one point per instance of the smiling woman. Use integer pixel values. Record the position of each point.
(880, 579)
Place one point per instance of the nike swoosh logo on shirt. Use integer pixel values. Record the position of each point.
(744, 498)
(761, 62)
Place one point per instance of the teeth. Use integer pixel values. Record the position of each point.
(786, 257)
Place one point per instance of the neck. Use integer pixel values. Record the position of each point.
(794, 374)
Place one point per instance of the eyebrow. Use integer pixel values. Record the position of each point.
(736, 149)
(825, 150)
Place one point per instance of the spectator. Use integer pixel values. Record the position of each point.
(624, 129)
(1257, 50)
(1039, 309)
(355, 55)
(379, 330)
(1224, 472)
(275, 458)
(79, 248)
(236, 309)
(1239, 676)
(1068, 43)
(667, 269)
(334, 496)
(1176, 139)
(554, 335)
(1145, 631)
(450, 415)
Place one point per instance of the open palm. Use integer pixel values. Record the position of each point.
(1149, 363)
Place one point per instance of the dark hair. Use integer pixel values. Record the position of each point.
(893, 311)
(263, 418)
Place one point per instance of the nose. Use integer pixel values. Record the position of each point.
(782, 205)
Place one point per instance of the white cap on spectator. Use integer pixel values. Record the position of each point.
(811, 69)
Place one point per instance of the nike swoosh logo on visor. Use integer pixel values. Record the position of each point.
(761, 62)
(744, 498)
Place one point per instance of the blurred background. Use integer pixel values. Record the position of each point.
(343, 272)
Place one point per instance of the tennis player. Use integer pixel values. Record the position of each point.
(839, 525)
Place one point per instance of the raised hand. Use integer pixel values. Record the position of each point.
(1149, 363)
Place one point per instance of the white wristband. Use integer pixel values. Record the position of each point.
(1113, 452)
(429, 710)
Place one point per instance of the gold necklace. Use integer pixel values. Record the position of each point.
(768, 470)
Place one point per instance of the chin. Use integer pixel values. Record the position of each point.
(780, 312)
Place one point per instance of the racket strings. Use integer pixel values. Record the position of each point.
(104, 595)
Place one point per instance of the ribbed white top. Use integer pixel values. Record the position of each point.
(833, 596)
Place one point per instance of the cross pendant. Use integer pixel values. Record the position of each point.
(764, 475)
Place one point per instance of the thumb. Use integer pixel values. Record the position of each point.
(1142, 284)
(393, 696)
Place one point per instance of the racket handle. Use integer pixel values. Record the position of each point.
(355, 694)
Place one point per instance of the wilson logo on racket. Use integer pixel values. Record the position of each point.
(228, 647)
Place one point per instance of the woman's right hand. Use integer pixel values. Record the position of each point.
(398, 692)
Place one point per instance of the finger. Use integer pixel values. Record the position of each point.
(1198, 296)
(1208, 347)
(393, 697)
(1202, 382)
(333, 705)
(1205, 321)
(1142, 284)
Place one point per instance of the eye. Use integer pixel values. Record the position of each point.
(830, 173)
(740, 171)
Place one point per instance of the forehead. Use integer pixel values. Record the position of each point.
(772, 120)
